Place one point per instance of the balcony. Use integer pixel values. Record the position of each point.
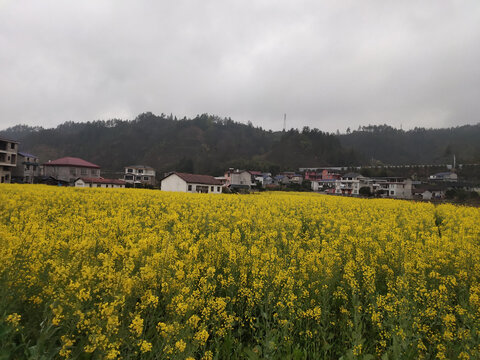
(8, 159)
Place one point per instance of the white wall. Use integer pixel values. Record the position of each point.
(176, 183)
(173, 183)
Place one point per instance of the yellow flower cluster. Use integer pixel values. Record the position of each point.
(130, 273)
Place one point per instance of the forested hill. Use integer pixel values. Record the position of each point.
(418, 146)
(205, 144)
(208, 144)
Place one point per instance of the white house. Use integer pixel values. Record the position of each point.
(350, 184)
(191, 183)
(99, 183)
(394, 187)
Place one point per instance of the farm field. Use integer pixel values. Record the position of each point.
(140, 274)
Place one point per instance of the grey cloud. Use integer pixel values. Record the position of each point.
(326, 64)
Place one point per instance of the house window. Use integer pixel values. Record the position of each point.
(140, 171)
(98, 185)
(73, 172)
(12, 146)
(212, 188)
(218, 188)
(130, 170)
(145, 178)
(83, 171)
(392, 192)
(189, 187)
(128, 177)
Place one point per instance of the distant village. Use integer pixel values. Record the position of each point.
(21, 167)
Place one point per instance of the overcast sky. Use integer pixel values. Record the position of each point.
(326, 64)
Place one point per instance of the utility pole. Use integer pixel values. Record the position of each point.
(284, 122)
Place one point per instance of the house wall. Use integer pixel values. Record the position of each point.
(243, 178)
(26, 170)
(401, 190)
(8, 160)
(70, 173)
(81, 183)
(145, 176)
(5, 174)
(173, 183)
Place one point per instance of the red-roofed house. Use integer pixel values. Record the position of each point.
(99, 182)
(191, 183)
(70, 169)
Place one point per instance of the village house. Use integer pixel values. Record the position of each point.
(238, 179)
(429, 192)
(69, 169)
(8, 159)
(281, 180)
(191, 183)
(394, 187)
(324, 180)
(99, 183)
(444, 176)
(327, 185)
(139, 174)
(350, 184)
(267, 179)
(27, 169)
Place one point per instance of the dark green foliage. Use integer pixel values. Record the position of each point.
(388, 145)
(209, 144)
(365, 191)
(205, 144)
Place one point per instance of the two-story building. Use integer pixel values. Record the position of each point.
(239, 179)
(8, 159)
(191, 183)
(27, 169)
(69, 169)
(394, 187)
(139, 175)
(350, 184)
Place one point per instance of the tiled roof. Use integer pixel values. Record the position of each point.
(102, 181)
(198, 179)
(24, 154)
(9, 140)
(71, 161)
(351, 175)
(139, 167)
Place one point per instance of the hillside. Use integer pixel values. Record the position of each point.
(208, 144)
(204, 144)
(418, 146)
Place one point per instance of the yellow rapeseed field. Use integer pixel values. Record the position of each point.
(110, 274)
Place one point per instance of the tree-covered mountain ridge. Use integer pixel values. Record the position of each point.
(210, 144)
